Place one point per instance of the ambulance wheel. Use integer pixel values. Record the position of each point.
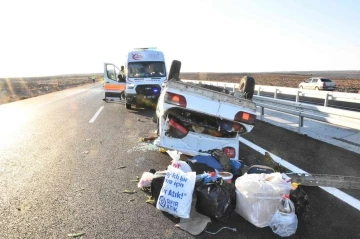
(154, 118)
(175, 70)
(128, 106)
(247, 86)
(157, 127)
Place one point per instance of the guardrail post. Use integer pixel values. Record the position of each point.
(258, 93)
(275, 94)
(262, 112)
(301, 124)
(326, 99)
(297, 96)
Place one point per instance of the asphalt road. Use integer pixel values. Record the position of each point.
(60, 174)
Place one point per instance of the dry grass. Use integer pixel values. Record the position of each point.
(14, 89)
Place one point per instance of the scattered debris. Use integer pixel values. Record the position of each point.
(214, 233)
(78, 234)
(325, 180)
(143, 147)
(23, 207)
(79, 190)
(129, 192)
(196, 223)
(88, 139)
(145, 180)
(145, 189)
(149, 138)
(85, 152)
(121, 167)
(150, 200)
(131, 200)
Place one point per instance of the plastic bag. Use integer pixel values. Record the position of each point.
(284, 222)
(145, 180)
(176, 193)
(300, 200)
(216, 200)
(258, 196)
(177, 163)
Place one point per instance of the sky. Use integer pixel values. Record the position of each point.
(45, 38)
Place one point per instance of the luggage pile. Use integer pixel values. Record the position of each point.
(206, 188)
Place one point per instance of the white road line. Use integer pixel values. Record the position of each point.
(96, 114)
(333, 191)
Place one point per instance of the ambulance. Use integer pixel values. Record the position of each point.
(142, 80)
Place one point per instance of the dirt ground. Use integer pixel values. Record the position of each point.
(13, 89)
(346, 83)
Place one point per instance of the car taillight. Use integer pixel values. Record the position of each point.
(175, 99)
(178, 126)
(245, 117)
(229, 151)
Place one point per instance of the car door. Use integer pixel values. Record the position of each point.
(314, 84)
(307, 84)
(114, 81)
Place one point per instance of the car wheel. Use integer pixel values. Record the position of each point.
(247, 86)
(128, 106)
(316, 88)
(175, 70)
(301, 87)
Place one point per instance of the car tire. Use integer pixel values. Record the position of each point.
(175, 70)
(316, 88)
(301, 87)
(128, 106)
(247, 86)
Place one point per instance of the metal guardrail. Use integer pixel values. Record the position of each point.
(325, 95)
(345, 118)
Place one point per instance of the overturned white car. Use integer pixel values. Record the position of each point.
(194, 119)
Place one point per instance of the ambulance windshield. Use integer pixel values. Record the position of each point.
(146, 69)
